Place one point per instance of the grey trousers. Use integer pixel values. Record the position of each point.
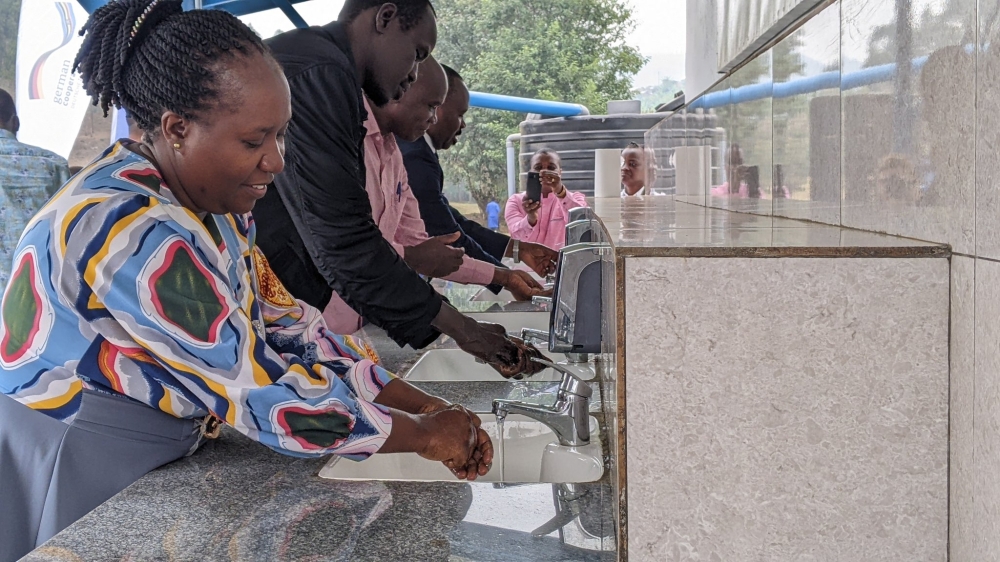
(53, 473)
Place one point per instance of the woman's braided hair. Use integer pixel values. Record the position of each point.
(149, 56)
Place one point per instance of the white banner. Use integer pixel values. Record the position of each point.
(49, 96)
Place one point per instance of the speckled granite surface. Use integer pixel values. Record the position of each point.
(237, 500)
(664, 227)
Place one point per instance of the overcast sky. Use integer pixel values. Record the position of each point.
(659, 32)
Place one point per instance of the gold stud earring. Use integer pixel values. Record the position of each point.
(177, 145)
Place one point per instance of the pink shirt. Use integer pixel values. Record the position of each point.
(397, 215)
(550, 230)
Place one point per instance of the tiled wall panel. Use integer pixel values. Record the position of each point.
(776, 424)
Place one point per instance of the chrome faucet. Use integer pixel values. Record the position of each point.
(529, 335)
(569, 417)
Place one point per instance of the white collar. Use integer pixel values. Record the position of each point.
(644, 191)
(430, 143)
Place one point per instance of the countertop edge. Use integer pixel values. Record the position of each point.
(929, 251)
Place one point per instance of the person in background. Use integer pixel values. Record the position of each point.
(735, 184)
(493, 215)
(544, 221)
(141, 316)
(316, 224)
(634, 171)
(396, 211)
(427, 182)
(28, 177)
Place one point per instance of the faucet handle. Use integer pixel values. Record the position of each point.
(570, 384)
(541, 300)
(530, 335)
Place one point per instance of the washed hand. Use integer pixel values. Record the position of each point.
(541, 259)
(452, 437)
(481, 460)
(508, 356)
(434, 257)
(522, 285)
(526, 364)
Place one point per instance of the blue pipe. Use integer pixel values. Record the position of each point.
(526, 105)
(824, 81)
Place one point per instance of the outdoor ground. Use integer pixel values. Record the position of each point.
(471, 211)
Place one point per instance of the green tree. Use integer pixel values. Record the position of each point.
(564, 50)
(935, 27)
(10, 12)
(654, 96)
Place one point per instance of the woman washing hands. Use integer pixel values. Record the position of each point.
(544, 222)
(141, 316)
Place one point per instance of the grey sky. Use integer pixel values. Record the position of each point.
(659, 32)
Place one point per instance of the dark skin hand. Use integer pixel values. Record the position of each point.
(525, 365)
(434, 257)
(481, 460)
(436, 430)
(541, 259)
(520, 283)
(512, 360)
(486, 341)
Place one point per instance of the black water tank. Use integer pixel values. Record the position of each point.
(576, 138)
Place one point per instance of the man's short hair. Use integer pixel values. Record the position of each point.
(7, 109)
(410, 11)
(452, 75)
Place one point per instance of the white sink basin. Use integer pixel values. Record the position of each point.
(514, 321)
(532, 453)
(457, 365)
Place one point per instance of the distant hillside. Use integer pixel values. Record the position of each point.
(652, 96)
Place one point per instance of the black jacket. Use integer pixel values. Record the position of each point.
(315, 224)
(427, 182)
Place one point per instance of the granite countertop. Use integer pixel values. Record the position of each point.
(662, 226)
(237, 500)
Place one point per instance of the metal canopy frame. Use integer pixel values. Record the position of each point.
(235, 7)
(478, 99)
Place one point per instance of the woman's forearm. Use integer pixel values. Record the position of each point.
(403, 396)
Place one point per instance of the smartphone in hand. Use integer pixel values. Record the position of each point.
(534, 191)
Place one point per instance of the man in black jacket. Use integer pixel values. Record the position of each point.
(316, 226)
(427, 182)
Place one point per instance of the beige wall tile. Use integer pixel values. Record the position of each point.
(787, 409)
(986, 491)
(962, 353)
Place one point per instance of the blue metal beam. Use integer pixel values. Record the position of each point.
(235, 7)
(291, 14)
(526, 105)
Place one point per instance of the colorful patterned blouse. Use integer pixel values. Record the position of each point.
(118, 288)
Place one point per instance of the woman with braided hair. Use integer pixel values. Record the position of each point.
(140, 316)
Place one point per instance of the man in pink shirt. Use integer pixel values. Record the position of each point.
(395, 209)
(544, 222)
